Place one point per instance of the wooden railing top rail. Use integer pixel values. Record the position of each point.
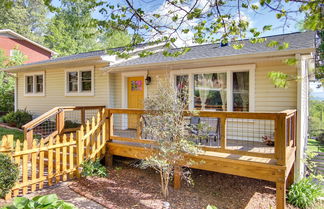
(216, 114)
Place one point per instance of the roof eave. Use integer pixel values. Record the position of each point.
(26, 39)
(21, 68)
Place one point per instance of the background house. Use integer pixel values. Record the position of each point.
(10, 40)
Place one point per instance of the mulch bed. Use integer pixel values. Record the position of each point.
(131, 187)
(5, 125)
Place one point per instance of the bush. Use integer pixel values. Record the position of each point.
(304, 193)
(18, 118)
(93, 168)
(47, 201)
(71, 124)
(8, 174)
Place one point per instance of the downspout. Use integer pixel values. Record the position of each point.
(16, 93)
(302, 115)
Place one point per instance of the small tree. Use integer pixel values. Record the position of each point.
(7, 81)
(165, 123)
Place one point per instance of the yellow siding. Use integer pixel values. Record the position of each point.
(55, 92)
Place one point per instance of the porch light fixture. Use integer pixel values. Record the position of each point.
(148, 80)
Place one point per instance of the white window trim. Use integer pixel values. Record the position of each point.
(34, 94)
(222, 69)
(79, 70)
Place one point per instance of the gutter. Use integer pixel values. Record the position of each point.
(19, 68)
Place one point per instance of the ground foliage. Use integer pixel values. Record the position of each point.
(50, 201)
(9, 174)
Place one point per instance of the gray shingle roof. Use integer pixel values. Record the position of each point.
(69, 58)
(299, 40)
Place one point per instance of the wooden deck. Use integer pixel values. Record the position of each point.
(238, 148)
(241, 156)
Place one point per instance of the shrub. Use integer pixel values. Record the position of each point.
(93, 168)
(304, 193)
(8, 174)
(41, 202)
(18, 118)
(71, 124)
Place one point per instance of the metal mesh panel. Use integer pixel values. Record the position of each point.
(204, 130)
(126, 125)
(252, 135)
(91, 113)
(72, 119)
(45, 128)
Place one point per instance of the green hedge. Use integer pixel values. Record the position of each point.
(18, 118)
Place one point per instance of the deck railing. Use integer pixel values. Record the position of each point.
(57, 121)
(59, 158)
(266, 135)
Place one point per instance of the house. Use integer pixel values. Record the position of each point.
(10, 41)
(219, 79)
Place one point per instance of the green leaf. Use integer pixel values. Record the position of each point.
(238, 46)
(283, 46)
(47, 199)
(20, 202)
(273, 44)
(290, 61)
(267, 27)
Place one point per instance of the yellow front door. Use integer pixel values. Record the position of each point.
(135, 89)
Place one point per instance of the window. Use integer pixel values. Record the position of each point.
(210, 91)
(182, 83)
(34, 84)
(241, 91)
(73, 81)
(79, 82)
(218, 89)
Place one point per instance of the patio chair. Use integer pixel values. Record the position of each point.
(216, 135)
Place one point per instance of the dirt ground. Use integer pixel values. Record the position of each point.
(130, 187)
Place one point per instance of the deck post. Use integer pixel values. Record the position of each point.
(83, 116)
(177, 177)
(280, 139)
(281, 194)
(108, 155)
(29, 135)
(223, 133)
(60, 122)
(108, 158)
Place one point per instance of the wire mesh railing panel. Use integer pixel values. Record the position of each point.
(253, 135)
(91, 113)
(72, 119)
(204, 130)
(126, 125)
(45, 128)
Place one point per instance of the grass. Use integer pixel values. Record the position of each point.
(315, 146)
(6, 131)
